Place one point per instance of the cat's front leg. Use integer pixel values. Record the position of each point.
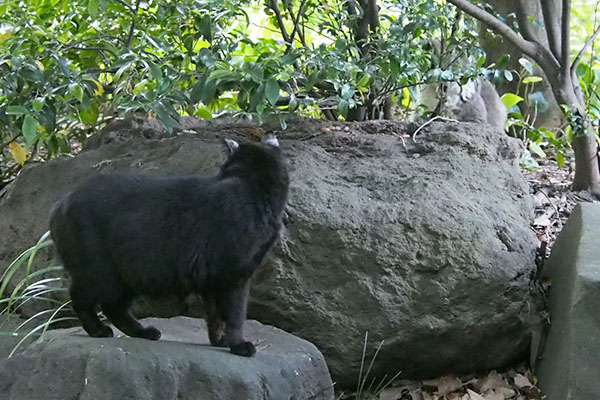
(231, 305)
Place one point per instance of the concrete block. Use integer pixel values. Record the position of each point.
(570, 365)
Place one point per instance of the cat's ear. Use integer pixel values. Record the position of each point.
(232, 145)
(270, 139)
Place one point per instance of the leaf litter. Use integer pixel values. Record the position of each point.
(514, 384)
(553, 199)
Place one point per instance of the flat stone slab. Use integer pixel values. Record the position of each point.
(68, 364)
(570, 365)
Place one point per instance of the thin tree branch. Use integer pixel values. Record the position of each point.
(565, 58)
(524, 24)
(533, 49)
(275, 7)
(552, 27)
(296, 24)
(584, 49)
(93, 48)
(133, 19)
(9, 141)
(373, 16)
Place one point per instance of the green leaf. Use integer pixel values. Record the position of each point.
(272, 91)
(510, 100)
(89, 116)
(481, 61)
(532, 79)
(526, 64)
(209, 92)
(364, 80)
(197, 90)
(92, 8)
(155, 71)
(76, 91)
(257, 72)
(503, 61)
(293, 104)
(163, 115)
(536, 149)
(16, 110)
(560, 159)
(205, 58)
(38, 103)
(347, 91)
(63, 63)
(203, 113)
(220, 73)
(538, 101)
(29, 128)
(508, 75)
(343, 107)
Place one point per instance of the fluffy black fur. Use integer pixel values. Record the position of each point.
(120, 236)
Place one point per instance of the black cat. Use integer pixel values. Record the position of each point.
(120, 236)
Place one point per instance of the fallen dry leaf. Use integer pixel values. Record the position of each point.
(542, 220)
(494, 382)
(493, 395)
(445, 384)
(391, 393)
(521, 381)
(474, 396)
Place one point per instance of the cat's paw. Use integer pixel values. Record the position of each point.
(245, 349)
(103, 331)
(150, 333)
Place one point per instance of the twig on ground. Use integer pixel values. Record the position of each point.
(414, 135)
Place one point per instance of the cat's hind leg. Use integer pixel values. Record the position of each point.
(85, 308)
(117, 311)
(214, 323)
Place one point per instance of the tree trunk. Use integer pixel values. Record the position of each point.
(585, 146)
(587, 176)
(494, 49)
(553, 56)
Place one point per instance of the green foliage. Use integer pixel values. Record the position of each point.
(538, 140)
(68, 67)
(589, 80)
(37, 289)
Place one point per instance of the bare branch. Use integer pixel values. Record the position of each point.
(296, 24)
(9, 141)
(584, 49)
(524, 24)
(275, 7)
(134, 12)
(552, 27)
(565, 58)
(533, 49)
(373, 15)
(93, 48)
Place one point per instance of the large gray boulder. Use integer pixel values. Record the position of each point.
(568, 368)
(68, 364)
(426, 246)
